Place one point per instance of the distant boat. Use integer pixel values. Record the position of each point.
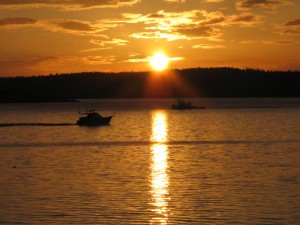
(181, 104)
(92, 118)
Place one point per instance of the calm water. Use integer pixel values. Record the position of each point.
(237, 162)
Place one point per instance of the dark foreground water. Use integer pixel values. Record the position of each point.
(236, 162)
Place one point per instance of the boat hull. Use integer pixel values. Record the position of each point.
(84, 121)
(178, 107)
(181, 105)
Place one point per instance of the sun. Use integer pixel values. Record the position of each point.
(159, 61)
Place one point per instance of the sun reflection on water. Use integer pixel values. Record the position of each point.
(159, 168)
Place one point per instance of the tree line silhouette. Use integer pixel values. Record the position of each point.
(190, 82)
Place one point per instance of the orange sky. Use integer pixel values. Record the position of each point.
(58, 36)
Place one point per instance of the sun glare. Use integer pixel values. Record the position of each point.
(159, 61)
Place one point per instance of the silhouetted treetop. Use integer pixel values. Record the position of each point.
(189, 82)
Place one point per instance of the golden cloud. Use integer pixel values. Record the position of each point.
(176, 25)
(137, 58)
(279, 42)
(175, 1)
(214, 0)
(99, 60)
(67, 4)
(158, 35)
(114, 41)
(187, 25)
(208, 46)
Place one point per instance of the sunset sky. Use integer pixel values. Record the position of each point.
(58, 36)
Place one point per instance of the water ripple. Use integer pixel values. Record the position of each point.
(143, 143)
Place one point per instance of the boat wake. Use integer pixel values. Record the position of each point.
(36, 124)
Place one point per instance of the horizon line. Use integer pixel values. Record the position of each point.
(151, 71)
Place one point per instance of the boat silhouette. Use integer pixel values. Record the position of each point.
(92, 118)
(181, 104)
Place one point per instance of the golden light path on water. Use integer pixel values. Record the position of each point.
(159, 168)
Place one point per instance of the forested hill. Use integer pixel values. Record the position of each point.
(195, 82)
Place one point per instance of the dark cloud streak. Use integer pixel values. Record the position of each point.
(74, 25)
(265, 4)
(200, 31)
(293, 23)
(16, 21)
(292, 27)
